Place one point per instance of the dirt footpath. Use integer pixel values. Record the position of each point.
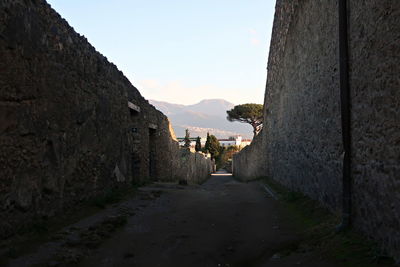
(220, 223)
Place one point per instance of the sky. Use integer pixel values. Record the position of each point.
(181, 51)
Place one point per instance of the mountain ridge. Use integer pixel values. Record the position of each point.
(208, 115)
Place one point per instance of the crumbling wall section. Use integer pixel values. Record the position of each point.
(62, 106)
(66, 131)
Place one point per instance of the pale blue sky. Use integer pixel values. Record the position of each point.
(181, 51)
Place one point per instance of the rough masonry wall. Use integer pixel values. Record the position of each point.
(250, 162)
(301, 139)
(66, 132)
(302, 105)
(194, 167)
(301, 134)
(375, 88)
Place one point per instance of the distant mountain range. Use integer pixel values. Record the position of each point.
(208, 115)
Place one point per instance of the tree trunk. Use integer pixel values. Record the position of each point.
(254, 130)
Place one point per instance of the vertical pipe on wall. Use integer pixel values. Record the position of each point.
(345, 103)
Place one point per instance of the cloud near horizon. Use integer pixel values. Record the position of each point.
(150, 84)
(252, 31)
(254, 40)
(179, 93)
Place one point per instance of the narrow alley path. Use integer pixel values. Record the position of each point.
(220, 223)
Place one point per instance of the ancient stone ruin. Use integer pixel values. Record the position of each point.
(301, 143)
(71, 124)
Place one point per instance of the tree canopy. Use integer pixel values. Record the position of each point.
(207, 144)
(198, 144)
(187, 138)
(212, 146)
(247, 113)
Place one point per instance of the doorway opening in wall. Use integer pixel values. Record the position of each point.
(135, 165)
(152, 154)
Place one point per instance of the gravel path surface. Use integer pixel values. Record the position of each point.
(220, 223)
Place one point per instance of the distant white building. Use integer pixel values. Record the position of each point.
(235, 141)
(231, 141)
(245, 142)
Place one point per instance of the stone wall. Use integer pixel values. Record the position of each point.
(375, 89)
(301, 139)
(195, 167)
(249, 163)
(66, 131)
(301, 136)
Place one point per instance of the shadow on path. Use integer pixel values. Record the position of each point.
(220, 223)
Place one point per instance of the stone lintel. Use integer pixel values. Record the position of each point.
(133, 106)
(153, 126)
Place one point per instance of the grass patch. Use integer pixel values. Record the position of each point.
(318, 225)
